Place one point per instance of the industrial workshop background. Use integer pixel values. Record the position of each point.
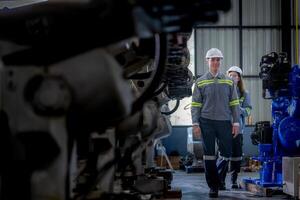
(250, 29)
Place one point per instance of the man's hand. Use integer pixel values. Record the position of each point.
(196, 131)
(235, 130)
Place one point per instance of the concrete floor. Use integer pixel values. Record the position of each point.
(194, 187)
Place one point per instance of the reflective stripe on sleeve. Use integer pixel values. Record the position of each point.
(196, 104)
(234, 102)
(204, 82)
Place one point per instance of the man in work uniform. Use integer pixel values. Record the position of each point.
(215, 116)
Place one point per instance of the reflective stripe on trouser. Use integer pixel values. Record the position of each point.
(212, 131)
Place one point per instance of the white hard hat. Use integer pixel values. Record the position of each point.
(235, 69)
(214, 53)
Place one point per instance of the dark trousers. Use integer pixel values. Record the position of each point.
(215, 131)
(235, 159)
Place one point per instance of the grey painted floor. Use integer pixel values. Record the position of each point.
(194, 187)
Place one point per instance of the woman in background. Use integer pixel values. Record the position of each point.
(237, 142)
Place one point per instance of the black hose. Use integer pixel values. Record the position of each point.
(160, 61)
(174, 109)
(161, 89)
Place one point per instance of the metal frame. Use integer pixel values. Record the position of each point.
(286, 42)
(241, 33)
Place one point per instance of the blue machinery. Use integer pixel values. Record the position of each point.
(281, 83)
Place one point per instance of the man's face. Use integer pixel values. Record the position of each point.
(214, 64)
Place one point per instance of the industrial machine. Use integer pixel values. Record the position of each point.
(281, 83)
(194, 159)
(83, 93)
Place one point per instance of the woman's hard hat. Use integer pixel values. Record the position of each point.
(235, 69)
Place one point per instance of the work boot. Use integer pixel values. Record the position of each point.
(234, 186)
(213, 193)
(222, 186)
